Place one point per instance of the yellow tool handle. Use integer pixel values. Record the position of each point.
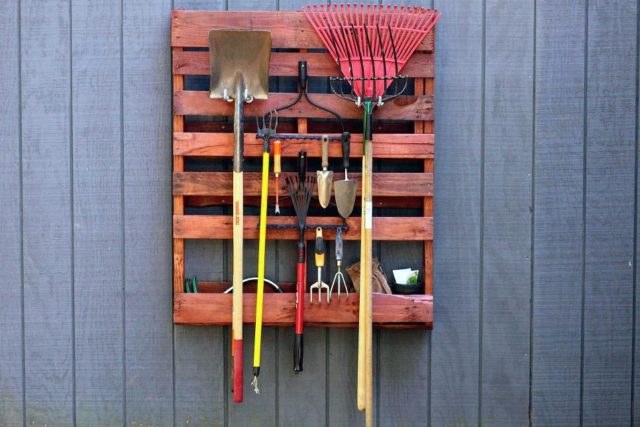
(261, 258)
(368, 261)
(238, 225)
(361, 394)
(319, 248)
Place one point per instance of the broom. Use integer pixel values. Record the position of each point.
(370, 44)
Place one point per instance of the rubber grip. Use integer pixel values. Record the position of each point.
(238, 374)
(298, 350)
(346, 149)
(300, 298)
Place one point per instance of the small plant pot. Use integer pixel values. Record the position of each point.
(407, 289)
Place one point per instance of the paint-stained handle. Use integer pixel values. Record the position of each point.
(238, 373)
(325, 151)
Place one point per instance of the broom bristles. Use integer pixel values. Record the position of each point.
(371, 43)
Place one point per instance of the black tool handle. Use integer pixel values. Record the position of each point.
(302, 165)
(302, 75)
(339, 244)
(346, 149)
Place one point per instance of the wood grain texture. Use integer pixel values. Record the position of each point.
(455, 342)
(285, 64)
(405, 107)
(98, 213)
(147, 201)
(610, 173)
(288, 29)
(218, 227)
(279, 309)
(506, 274)
(47, 213)
(220, 184)
(11, 356)
(558, 247)
(388, 146)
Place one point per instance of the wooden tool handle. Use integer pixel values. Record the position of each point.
(276, 156)
(368, 261)
(325, 151)
(238, 225)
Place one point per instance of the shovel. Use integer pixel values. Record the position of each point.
(240, 73)
(325, 176)
(345, 190)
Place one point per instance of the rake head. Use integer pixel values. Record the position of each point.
(301, 192)
(370, 44)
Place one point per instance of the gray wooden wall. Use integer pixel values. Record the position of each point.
(536, 231)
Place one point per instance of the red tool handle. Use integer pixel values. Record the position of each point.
(237, 371)
(298, 343)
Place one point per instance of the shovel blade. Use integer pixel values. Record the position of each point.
(325, 180)
(345, 193)
(239, 54)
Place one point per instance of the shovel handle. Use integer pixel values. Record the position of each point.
(325, 151)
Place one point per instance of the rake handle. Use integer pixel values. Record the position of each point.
(298, 343)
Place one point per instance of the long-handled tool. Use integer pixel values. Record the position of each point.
(339, 279)
(325, 176)
(345, 189)
(262, 243)
(300, 189)
(319, 255)
(370, 44)
(239, 72)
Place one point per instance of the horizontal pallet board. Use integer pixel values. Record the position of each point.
(283, 64)
(220, 227)
(221, 183)
(285, 202)
(289, 29)
(388, 146)
(406, 107)
(279, 310)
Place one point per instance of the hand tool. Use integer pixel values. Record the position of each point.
(300, 190)
(345, 190)
(319, 255)
(276, 171)
(325, 176)
(240, 72)
(339, 279)
(362, 40)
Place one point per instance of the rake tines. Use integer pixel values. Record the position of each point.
(301, 192)
(371, 44)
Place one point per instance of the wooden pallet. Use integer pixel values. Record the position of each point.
(214, 140)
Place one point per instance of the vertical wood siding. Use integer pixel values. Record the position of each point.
(535, 222)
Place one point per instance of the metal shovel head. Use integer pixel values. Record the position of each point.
(325, 179)
(239, 54)
(345, 193)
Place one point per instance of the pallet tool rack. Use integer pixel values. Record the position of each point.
(404, 130)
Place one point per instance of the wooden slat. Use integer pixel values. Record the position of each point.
(389, 146)
(288, 29)
(220, 227)
(286, 64)
(406, 107)
(279, 309)
(221, 184)
(378, 202)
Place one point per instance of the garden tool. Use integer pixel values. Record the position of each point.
(300, 190)
(320, 285)
(276, 171)
(325, 176)
(339, 279)
(345, 190)
(370, 44)
(240, 73)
